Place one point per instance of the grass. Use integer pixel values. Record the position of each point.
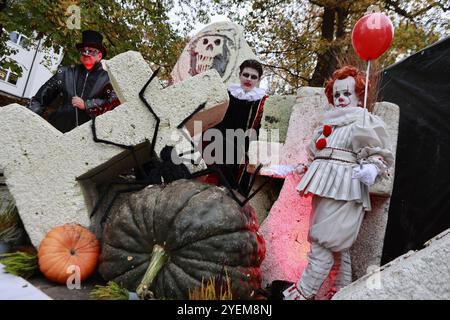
(9, 224)
(19, 263)
(112, 291)
(217, 288)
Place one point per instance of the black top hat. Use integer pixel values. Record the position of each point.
(92, 39)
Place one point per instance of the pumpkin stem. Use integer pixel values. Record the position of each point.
(158, 259)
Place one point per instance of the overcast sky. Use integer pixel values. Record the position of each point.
(200, 26)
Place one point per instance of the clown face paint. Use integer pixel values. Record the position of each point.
(344, 93)
(249, 79)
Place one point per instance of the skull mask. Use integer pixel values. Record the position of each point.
(204, 53)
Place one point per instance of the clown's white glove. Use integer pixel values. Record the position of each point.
(301, 168)
(277, 170)
(366, 174)
(282, 170)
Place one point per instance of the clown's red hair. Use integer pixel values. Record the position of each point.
(342, 73)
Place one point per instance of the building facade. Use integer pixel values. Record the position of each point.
(38, 65)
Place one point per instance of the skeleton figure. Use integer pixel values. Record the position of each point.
(209, 51)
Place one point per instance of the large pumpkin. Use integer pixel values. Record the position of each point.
(189, 231)
(65, 249)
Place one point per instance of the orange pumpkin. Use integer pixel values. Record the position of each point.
(65, 249)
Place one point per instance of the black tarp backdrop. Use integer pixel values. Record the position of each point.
(420, 202)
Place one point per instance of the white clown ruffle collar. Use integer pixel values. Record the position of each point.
(343, 116)
(252, 95)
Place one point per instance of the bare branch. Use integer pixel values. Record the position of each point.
(284, 51)
(270, 66)
(317, 3)
(394, 5)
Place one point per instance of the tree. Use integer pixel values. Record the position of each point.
(126, 25)
(301, 42)
(6, 51)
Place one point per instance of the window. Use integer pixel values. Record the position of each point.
(3, 74)
(8, 76)
(14, 37)
(24, 42)
(19, 39)
(13, 78)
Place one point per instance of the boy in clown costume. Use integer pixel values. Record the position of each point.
(348, 151)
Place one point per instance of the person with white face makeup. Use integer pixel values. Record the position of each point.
(344, 93)
(244, 113)
(346, 155)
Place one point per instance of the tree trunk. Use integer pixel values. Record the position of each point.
(326, 64)
(327, 61)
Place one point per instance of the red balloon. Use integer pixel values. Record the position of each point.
(372, 35)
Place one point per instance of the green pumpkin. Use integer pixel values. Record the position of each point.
(189, 231)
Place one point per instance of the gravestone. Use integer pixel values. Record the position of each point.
(419, 275)
(274, 124)
(52, 176)
(286, 228)
(220, 46)
(276, 115)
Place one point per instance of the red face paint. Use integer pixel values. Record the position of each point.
(89, 57)
(88, 62)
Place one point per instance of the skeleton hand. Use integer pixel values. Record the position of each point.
(366, 174)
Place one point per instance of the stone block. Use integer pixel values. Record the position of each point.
(5, 196)
(419, 275)
(276, 115)
(274, 124)
(263, 201)
(285, 231)
(304, 117)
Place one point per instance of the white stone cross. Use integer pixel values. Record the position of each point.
(41, 165)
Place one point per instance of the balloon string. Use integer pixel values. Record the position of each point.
(366, 93)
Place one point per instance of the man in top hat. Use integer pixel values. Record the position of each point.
(80, 92)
